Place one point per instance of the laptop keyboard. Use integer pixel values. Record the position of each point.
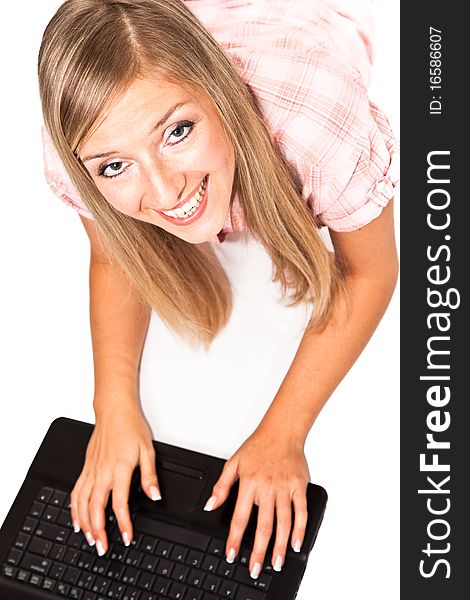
(163, 561)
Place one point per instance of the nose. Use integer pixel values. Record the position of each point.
(164, 187)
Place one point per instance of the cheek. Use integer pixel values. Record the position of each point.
(124, 197)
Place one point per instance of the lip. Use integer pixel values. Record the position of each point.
(199, 212)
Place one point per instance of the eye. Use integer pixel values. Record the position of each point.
(111, 170)
(181, 131)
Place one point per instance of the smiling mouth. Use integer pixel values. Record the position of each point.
(190, 206)
(192, 209)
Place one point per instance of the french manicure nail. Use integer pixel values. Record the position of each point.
(89, 538)
(278, 564)
(231, 555)
(255, 571)
(155, 494)
(76, 527)
(210, 503)
(297, 545)
(125, 538)
(99, 548)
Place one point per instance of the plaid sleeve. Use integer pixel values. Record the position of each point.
(58, 179)
(343, 147)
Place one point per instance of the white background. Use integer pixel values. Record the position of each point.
(353, 449)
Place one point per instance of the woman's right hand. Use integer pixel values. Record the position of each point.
(121, 440)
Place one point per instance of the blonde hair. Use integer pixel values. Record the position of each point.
(91, 51)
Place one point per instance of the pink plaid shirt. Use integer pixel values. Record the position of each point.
(308, 62)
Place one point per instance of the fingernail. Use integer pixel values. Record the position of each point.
(155, 494)
(125, 538)
(76, 527)
(231, 555)
(210, 503)
(278, 564)
(255, 571)
(99, 548)
(297, 545)
(89, 538)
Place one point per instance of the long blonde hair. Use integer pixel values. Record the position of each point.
(91, 51)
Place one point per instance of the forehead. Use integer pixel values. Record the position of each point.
(139, 108)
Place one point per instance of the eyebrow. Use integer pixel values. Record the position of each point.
(161, 122)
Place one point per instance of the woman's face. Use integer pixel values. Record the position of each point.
(161, 156)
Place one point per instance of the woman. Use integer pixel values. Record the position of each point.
(168, 149)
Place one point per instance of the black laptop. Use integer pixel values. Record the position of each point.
(178, 550)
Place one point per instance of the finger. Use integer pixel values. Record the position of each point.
(120, 503)
(82, 503)
(98, 500)
(148, 475)
(240, 518)
(299, 499)
(264, 529)
(74, 506)
(283, 525)
(222, 487)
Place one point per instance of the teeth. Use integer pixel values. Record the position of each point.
(190, 206)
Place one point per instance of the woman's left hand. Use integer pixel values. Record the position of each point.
(273, 474)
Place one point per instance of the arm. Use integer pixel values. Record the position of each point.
(121, 439)
(271, 464)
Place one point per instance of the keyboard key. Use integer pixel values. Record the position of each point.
(179, 535)
(178, 553)
(244, 556)
(71, 556)
(48, 584)
(9, 571)
(149, 563)
(65, 518)
(51, 532)
(146, 581)
(116, 590)
(76, 593)
(180, 572)
(37, 509)
(163, 548)
(176, 591)
(195, 577)
(194, 595)
(131, 594)
(22, 541)
(117, 552)
(148, 596)
(62, 589)
(14, 557)
(41, 547)
(226, 569)
(161, 586)
(50, 514)
(45, 494)
(263, 582)
(35, 579)
(57, 499)
(148, 544)
(100, 585)
(100, 565)
(164, 567)
(242, 575)
(210, 563)
(133, 558)
(228, 589)
(36, 564)
(85, 561)
(115, 571)
(22, 575)
(29, 525)
(217, 547)
(194, 558)
(85, 580)
(57, 571)
(211, 583)
(130, 575)
(71, 576)
(246, 593)
(89, 596)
